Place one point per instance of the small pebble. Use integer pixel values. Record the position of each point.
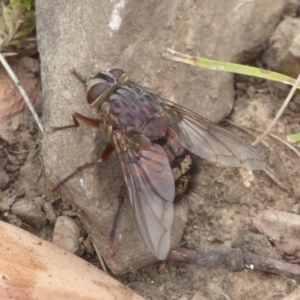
(14, 220)
(66, 234)
(4, 207)
(30, 212)
(296, 209)
(4, 179)
(281, 227)
(50, 213)
(10, 197)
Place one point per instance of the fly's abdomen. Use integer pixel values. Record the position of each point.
(136, 111)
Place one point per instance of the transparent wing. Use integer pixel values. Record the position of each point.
(209, 141)
(151, 190)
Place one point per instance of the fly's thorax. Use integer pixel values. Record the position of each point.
(133, 110)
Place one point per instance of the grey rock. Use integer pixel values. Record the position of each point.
(66, 234)
(4, 179)
(9, 197)
(14, 220)
(283, 53)
(50, 213)
(281, 227)
(30, 212)
(292, 8)
(4, 207)
(257, 244)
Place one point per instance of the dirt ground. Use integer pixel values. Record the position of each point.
(222, 206)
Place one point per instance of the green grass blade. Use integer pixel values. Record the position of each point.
(229, 67)
(294, 138)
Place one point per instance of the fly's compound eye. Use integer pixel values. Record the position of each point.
(97, 91)
(117, 73)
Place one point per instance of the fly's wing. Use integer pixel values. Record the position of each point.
(209, 141)
(151, 190)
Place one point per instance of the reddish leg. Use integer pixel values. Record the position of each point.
(105, 155)
(76, 116)
(78, 76)
(90, 122)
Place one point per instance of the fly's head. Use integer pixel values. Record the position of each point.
(101, 86)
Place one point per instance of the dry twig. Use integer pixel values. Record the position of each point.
(234, 260)
(21, 89)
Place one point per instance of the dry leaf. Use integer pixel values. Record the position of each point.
(32, 268)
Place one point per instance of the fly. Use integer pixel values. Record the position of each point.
(153, 138)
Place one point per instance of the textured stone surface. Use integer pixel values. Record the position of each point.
(4, 179)
(281, 228)
(30, 211)
(283, 54)
(66, 234)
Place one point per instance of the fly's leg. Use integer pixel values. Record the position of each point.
(78, 76)
(92, 123)
(122, 193)
(105, 155)
(76, 116)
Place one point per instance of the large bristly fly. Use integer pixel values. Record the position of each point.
(152, 137)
